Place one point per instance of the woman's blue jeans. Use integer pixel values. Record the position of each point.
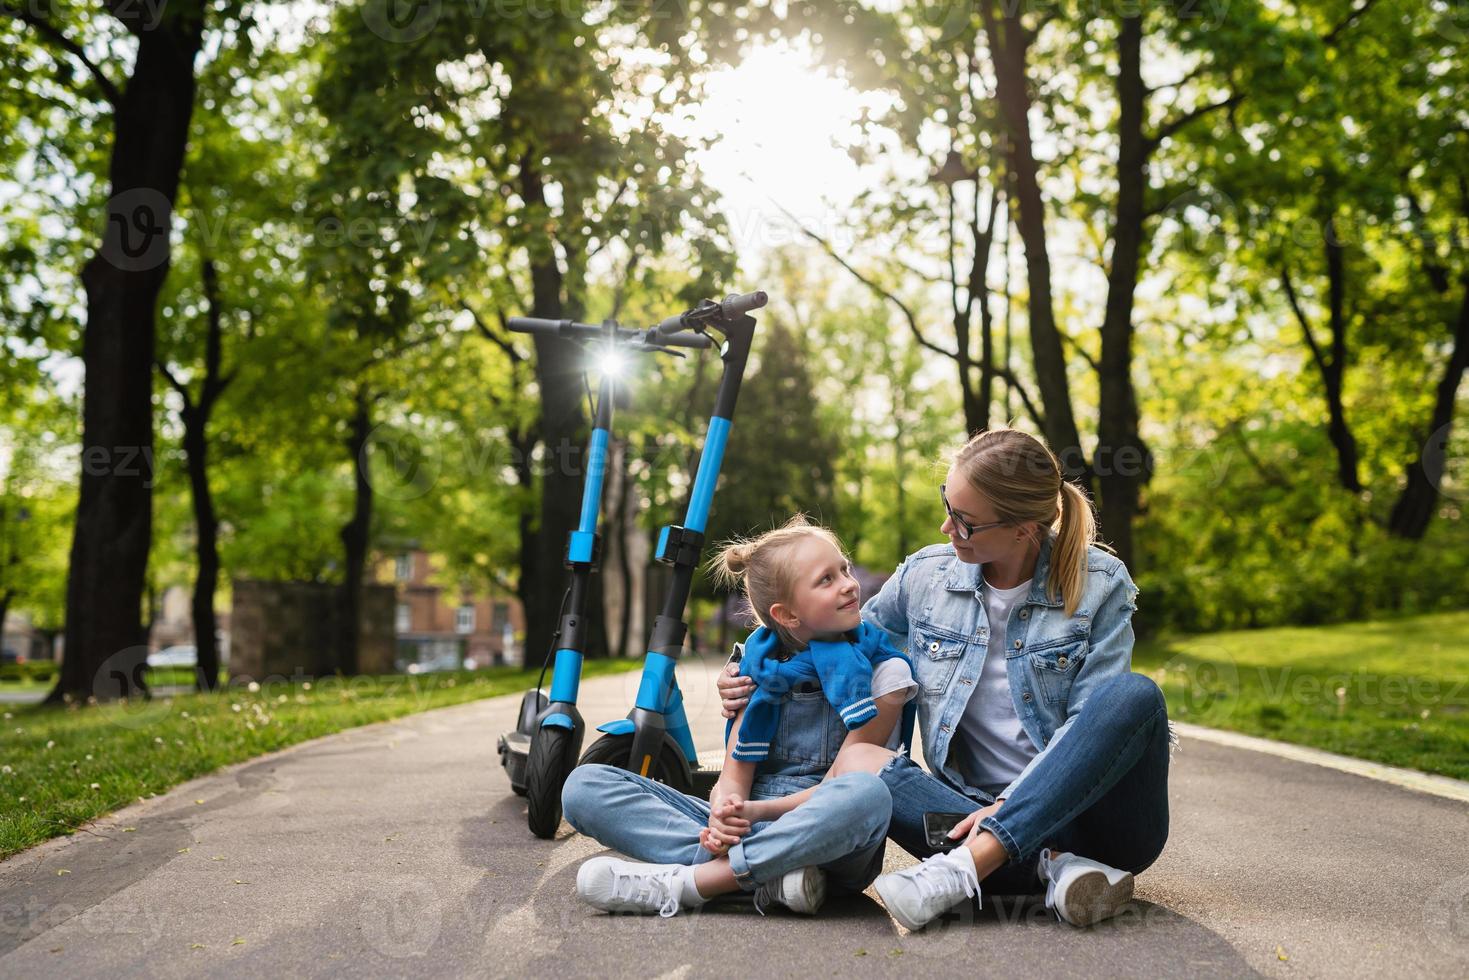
(1101, 792)
(842, 828)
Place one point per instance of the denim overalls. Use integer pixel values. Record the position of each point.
(840, 828)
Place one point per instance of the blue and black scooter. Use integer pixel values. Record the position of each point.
(654, 739)
(542, 750)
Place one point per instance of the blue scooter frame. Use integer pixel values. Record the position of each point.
(654, 739)
(542, 750)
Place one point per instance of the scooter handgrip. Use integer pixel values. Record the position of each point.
(672, 325)
(532, 324)
(686, 339)
(735, 305)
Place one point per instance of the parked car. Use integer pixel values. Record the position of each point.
(11, 656)
(174, 656)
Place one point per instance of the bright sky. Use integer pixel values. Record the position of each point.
(783, 124)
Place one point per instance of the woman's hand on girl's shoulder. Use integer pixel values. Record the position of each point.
(734, 690)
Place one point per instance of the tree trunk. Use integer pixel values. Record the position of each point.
(562, 431)
(105, 639)
(196, 415)
(1122, 462)
(1331, 368)
(1331, 374)
(206, 553)
(1414, 507)
(1008, 43)
(356, 537)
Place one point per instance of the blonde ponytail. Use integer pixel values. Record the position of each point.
(1076, 530)
(1021, 478)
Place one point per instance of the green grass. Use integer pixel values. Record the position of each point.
(1393, 691)
(61, 767)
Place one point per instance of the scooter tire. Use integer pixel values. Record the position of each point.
(546, 770)
(668, 768)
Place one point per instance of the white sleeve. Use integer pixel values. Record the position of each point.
(893, 675)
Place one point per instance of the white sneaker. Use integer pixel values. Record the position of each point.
(614, 885)
(1083, 891)
(802, 890)
(916, 896)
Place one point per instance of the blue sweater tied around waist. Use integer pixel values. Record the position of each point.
(842, 667)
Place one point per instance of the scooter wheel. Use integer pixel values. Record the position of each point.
(613, 750)
(545, 773)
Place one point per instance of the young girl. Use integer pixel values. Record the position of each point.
(790, 816)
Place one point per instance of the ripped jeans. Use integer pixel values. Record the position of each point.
(841, 829)
(1101, 792)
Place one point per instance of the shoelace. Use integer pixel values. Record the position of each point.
(1047, 869)
(659, 886)
(924, 876)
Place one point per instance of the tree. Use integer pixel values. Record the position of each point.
(150, 115)
(524, 193)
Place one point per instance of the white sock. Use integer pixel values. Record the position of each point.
(960, 858)
(689, 896)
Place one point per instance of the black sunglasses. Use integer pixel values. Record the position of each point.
(965, 529)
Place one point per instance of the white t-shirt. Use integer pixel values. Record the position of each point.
(998, 747)
(893, 675)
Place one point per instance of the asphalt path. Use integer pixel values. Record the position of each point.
(398, 849)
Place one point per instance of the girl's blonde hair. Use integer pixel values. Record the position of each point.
(760, 567)
(1021, 478)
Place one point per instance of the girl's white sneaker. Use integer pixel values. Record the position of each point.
(1083, 891)
(802, 890)
(614, 885)
(916, 896)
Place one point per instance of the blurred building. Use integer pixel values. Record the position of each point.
(446, 627)
(22, 641)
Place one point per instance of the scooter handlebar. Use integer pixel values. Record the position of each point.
(732, 307)
(684, 339)
(532, 324)
(586, 331)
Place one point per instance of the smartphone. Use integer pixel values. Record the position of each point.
(936, 827)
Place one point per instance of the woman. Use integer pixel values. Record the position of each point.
(1020, 633)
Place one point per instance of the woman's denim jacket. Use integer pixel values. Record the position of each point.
(933, 607)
